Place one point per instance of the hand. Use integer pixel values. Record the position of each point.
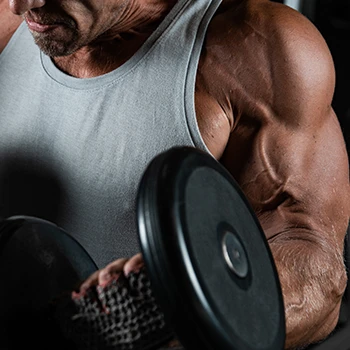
(111, 272)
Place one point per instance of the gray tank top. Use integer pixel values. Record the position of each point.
(73, 151)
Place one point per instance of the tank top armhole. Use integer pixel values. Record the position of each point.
(189, 92)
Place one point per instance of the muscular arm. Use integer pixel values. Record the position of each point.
(293, 167)
(300, 192)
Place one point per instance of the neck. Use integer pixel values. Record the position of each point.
(9, 23)
(117, 45)
(139, 16)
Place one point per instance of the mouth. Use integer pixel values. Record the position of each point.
(40, 27)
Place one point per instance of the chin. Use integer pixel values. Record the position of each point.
(54, 49)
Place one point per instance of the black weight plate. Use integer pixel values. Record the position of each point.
(207, 257)
(38, 262)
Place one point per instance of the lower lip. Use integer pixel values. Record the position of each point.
(40, 28)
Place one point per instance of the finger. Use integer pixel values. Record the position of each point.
(134, 264)
(101, 277)
(92, 280)
(111, 272)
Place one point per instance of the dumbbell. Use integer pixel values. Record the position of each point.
(207, 263)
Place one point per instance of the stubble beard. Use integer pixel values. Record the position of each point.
(57, 47)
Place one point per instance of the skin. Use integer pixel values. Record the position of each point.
(9, 23)
(263, 98)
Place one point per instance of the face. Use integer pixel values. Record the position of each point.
(61, 27)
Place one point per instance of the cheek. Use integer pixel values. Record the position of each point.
(94, 17)
(85, 25)
(81, 12)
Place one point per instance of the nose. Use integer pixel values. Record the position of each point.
(19, 7)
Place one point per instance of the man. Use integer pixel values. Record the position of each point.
(117, 82)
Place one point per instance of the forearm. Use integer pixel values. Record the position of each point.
(313, 280)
